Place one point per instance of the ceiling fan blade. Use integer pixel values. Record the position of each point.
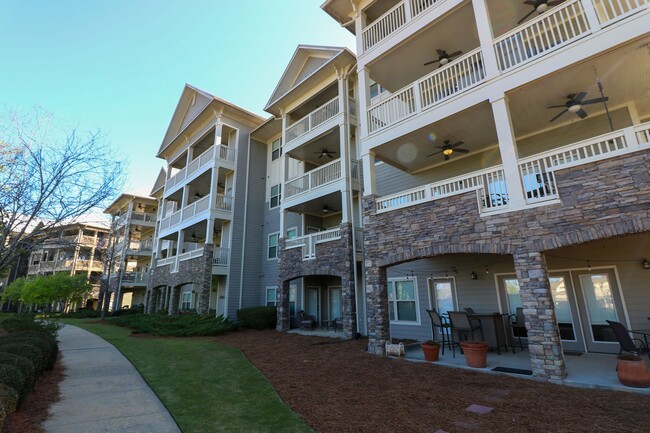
(456, 54)
(578, 99)
(431, 62)
(330, 156)
(581, 113)
(321, 155)
(525, 17)
(434, 153)
(460, 143)
(461, 150)
(558, 115)
(595, 101)
(530, 2)
(557, 106)
(441, 53)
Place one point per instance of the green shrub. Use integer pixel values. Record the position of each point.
(47, 347)
(127, 311)
(257, 317)
(176, 326)
(13, 377)
(27, 322)
(23, 364)
(8, 402)
(79, 314)
(25, 350)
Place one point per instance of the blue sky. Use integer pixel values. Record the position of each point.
(120, 65)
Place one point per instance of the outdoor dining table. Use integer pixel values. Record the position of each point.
(496, 329)
(644, 332)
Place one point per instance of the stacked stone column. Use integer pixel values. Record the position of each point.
(153, 301)
(174, 300)
(377, 308)
(283, 308)
(544, 343)
(205, 281)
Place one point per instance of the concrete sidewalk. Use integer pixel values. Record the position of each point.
(102, 391)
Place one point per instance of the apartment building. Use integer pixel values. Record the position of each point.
(128, 255)
(505, 151)
(313, 227)
(199, 250)
(76, 248)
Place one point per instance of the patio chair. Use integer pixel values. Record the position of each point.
(518, 326)
(437, 321)
(628, 344)
(469, 310)
(461, 323)
(306, 320)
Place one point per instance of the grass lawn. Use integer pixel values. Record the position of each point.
(207, 387)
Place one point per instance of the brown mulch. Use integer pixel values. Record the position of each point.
(336, 386)
(34, 409)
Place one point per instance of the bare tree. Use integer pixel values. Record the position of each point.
(49, 176)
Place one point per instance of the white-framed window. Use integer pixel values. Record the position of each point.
(270, 296)
(403, 302)
(276, 149)
(292, 233)
(273, 246)
(186, 300)
(293, 294)
(276, 196)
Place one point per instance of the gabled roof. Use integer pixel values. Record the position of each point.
(342, 11)
(159, 183)
(193, 103)
(124, 199)
(306, 61)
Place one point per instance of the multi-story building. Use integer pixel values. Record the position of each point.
(75, 249)
(128, 256)
(505, 165)
(199, 248)
(313, 231)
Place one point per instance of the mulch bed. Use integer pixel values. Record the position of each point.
(336, 386)
(34, 409)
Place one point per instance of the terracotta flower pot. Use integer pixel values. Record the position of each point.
(430, 351)
(632, 371)
(475, 353)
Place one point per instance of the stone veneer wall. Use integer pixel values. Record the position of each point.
(193, 271)
(598, 200)
(334, 258)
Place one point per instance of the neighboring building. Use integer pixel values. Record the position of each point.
(506, 164)
(128, 257)
(313, 207)
(75, 249)
(199, 245)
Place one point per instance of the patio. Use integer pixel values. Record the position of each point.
(588, 370)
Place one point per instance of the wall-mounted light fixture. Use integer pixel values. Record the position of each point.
(473, 276)
(645, 264)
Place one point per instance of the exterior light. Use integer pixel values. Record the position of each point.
(575, 108)
(444, 61)
(448, 151)
(645, 264)
(541, 8)
(473, 276)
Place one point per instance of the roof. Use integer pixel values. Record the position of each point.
(267, 130)
(160, 182)
(308, 63)
(342, 11)
(125, 198)
(194, 103)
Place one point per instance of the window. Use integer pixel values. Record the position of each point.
(276, 150)
(273, 246)
(270, 296)
(292, 233)
(402, 301)
(276, 194)
(186, 300)
(293, 292)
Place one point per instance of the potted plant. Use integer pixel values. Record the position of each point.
(632, 371)
(431, 350)
(475, 353)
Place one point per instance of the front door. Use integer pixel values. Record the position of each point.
(334, 302)
(312, 306)
(598, 300)
(442, 294)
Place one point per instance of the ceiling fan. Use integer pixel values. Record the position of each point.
(539, 6)
(325, 152)
(447, 149)
(574, 104)
(444, 57)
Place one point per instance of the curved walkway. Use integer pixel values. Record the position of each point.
(102, 391)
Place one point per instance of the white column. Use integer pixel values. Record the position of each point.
(359, 25)
(363, 75)
(218, 130)
(344, 147)
(484, 28)
(369, 185)
(179, 248)
(508, 150)
(591, 15)
(283, 177)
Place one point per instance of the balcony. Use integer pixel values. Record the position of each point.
(317, 178)
(394, 19)
(223, 154)
(537, 173)
(220, 260)
(135, 278)
(442, 84)
(190, 254)
(317, 117)
(143, 217)
(140, 247)
(308, 242)
(222, 204)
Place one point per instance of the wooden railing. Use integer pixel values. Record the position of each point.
(190, 254)
(610, 11)
(135, 277)
(220, 257)
(223, 202)
(223, 153)
(143, 216)
(312, 120)
(309, 242)
(558, 27)
(146, 245)
(323, 175)
(165, 261)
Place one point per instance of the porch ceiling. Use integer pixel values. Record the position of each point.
(315, 207)
(312, 150)
(451, 33)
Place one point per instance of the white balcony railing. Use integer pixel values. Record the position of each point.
(489, 184)
(135, 277)
(609, 11)
(443, 83)
(220, 257)
(191, 210)
(549, 31)
(394, 19)
(145, 245)
(165, 261)
(190, 254)
(313, 119)
(223, 153)
(321, 176)
(144, 217)
(224, 203)
(309, 242)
